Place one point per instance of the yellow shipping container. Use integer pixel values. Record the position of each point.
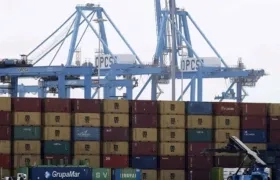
(86, 148)
(57, 133)
(171, 107)
(199, 122)
(222, 135)
(86, 119)
(5, 104)
(172, 149)
(5, 147)
(259, 146)
(149, 174)
(226, 122)
(172, 121)
(172, 135)
(57, 119)
(274, 109)
(93, 160)
(27, 118)
(221, 145)
(116, 120)
(172, 174)
(145, 134)
(115, 106)
(26, 160)
(27, 147)
(115, 148)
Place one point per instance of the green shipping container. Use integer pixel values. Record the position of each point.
(101, 173)
(27, 133)
(57, 147)
(199, 135)
(217, 173)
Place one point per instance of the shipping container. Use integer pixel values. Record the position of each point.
(172, 174)
(226, 108)
(144, 121)
(115, 148)
(144, 149)
(254, 122)
(56, 105)
(222, 145)
(56, 147)
(86, 105)
(86, 133)
(172, 149)
(273, 146)
(226, 161)
(172, 162)
(26, 160)
(27, 147)
(5, 132)
(143, 107)
(276, 174)
(253, 136)
(222, 135)
(92, 160)
(195, 149)
(86, 148)
(27, 118)
(258, 146)
(57, 133)
(5, 104)
(115, 134)
(145, 134)
(226, 122)
(200, 162)
(5, 147)
(116, 120)
(274, 122)
(172, 135)
(199, 122)
(198, 174)
(115, 161)
(199, 135)
(5, 173)
(115, 106)
(27, 133)
(172, 121)
(127, 173)
(20, 104)
(57, 119)
(144, 162)
(274, 136)
(5, 118)
(274, 109)
(171, 107)
(57, 159)
(101, 173)
(148, 174)
(254, 109)
(86, 120)
(5, 161)
(199, 108)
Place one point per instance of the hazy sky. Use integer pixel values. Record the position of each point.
(237, 28)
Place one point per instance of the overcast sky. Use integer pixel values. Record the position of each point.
(237, 28)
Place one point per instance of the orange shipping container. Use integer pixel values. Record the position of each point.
(116, 120)
(222, 145)
(27, 118)
(27, 147)
(199, 122)
(172, 135)
(172, 149)
(26, 160)
(5, 104)
(86, 148)
(226, 122)
(86, 119)
(172, 174)
(115, 148)
(145, 134)
(172, 121)
(57, 119)
(149, 174)
(222, 135)
(115, 106)
(57, 133)
(93, 160)
(171, 107)
(5, 147)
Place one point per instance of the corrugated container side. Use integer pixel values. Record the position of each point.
(199, 135)
(199, 122)
(254, 109)
(27, 118)
(199, 108)
(172, 121)
(172, 149)
(57, 147)
(115, 148)
(274, 122)
(26, 160)
(57, 159)
(254, 122)
(5, 104)
(226, 122)
(93, 160)
(57, 133)
(57, 119)
(171, 107)
(6, 118)
(20, 104)
(6, 172)
(172, 174)
(143, 107)
(172, 162)
(222, 135)
(127, 173)
(226, 108)
(5, 147)
(195, 149)
(144, 121)
(198, 174)
(27, 147)
(115, 161)
(86, 148)
(149, 174)
(86, 119)
(172, 135)
(258, 146)
(86, 133)
(274, 136)
(86, 105)
(253, 136)
(5, 132)
(116, 120)
(274, 109)
(145, 134)
(273, 146)
(115, 134)
(144, 162)
(200, 162)
(26, 132)
(56, 105)
(5, 161)
(222, 145)
(226, 161)
(144, 149)
(115, 106)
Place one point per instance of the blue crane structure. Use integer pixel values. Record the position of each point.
(59, 79)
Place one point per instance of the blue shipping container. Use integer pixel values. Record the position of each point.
(86, 134)
(273, 147)
(119, 175)
(254, 136)
(276, 174)
(144, 162)
(60, 173)
(199, 108)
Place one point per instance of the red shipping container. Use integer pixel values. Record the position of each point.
(114, 161)
(197, 148)
(5, 132)
(57, 105)
(172, 162)
(274, 122)
(86, 105)
(57, 159)
(5, 118)
(5, 161)
(226, 109)
(198, 174)
(253, 109)
(144, 107)
(227, 161)
(200, 162)
(27, 104)
(274, 136)
(253, 122)
(144, 149)
(115, 134)
(144, 121)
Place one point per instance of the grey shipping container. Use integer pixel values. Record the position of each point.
(27, 133)
(57, 147)
(86, 134)
(199, 135)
